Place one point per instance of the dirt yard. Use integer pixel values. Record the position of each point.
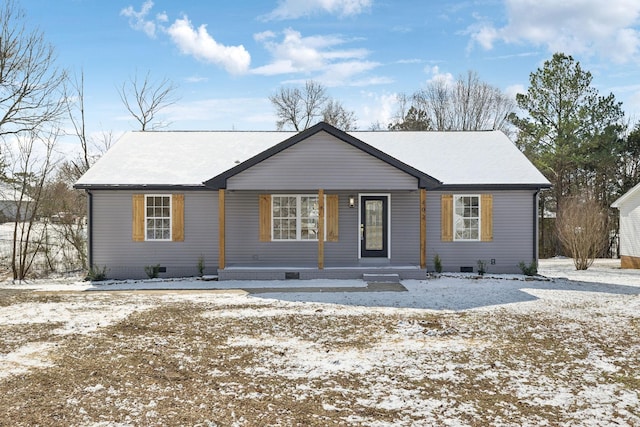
(512, 352)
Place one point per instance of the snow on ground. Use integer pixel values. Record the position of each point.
(604, 296)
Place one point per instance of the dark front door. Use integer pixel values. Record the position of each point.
(373, 226)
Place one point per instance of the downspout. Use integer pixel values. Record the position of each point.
(535, 226)
(90, 229)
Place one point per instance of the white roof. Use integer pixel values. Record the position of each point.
(10, 193)
(188, 158)
(622, 199)
(482, 157)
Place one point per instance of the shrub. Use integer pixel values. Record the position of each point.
(201, 266)
(528, 270)
(152, 270)
(96, 274)
(482, 266)
(437, 262)
(583, 230)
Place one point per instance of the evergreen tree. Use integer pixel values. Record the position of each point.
(570, 133)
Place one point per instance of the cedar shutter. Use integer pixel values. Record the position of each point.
(264, 207)
(137, 203)
(486, 220)
(446, 217)
(331, 210)
(177, 217)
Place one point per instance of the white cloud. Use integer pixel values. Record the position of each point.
(437, 76)
(606, 28)
(319, 55)
(138, 20)
(195, 42)
(292, 9)
(199, 44)
(378, 109)
(513, 90)
(224, 111)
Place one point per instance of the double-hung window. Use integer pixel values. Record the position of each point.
(158, 217)
(294, 217)
(466, 217)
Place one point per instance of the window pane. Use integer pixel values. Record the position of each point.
(158, 217)
(467, 218)
(373, 225)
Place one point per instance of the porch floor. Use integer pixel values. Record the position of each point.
(264, 271)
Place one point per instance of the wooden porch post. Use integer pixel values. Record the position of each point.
(221, 229)
(320, 229)
(423, 228)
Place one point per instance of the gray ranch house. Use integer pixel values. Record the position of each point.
(321, 203)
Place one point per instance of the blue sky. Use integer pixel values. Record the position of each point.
(227, 57)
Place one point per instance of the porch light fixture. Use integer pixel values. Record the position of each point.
(352, 201)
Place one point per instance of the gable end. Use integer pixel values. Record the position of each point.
(424, 180)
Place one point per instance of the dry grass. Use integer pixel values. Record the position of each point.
(194, 362)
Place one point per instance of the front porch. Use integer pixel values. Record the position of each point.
(368, 270)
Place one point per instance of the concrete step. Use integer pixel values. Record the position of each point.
(381, 278)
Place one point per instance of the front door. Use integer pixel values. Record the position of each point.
(373, 226)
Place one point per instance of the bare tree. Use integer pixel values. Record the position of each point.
(145, 99)
(91, 147)
(336, 115)
(583, 230)
(75, 109)
(33, 163)
(30, 82)
(299, 108)
(467, 104)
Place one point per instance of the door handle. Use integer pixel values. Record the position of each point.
(361, 231)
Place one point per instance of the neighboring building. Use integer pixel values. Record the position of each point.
(14, 206)
(629, 206)
(252, 205)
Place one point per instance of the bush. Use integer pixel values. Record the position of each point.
(583, 230)
(152, 271)
(201, 266)
(528, 270)
(437, 263)
(482, 266)
(96, 274)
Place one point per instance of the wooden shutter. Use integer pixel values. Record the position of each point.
(265, 217)
(486, 219)
(331, 210)
(446, 217)
(137, 202)
(177, 217)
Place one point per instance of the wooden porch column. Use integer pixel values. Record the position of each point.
(221, 229)
(423, 228)
(320, 229)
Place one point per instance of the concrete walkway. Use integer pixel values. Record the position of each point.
(371, 287)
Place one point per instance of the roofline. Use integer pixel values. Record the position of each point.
(155, 187)
(620, 200)
(220, 181)
(491, 187)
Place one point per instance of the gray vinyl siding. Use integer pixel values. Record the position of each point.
(513, 240)
(114, 248)
(322, 161)
(244, 248)
(405, 228)
(630, 226)
(243, 245)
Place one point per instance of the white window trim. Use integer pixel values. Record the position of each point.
(298, 218)
(388, 196)
(457, 196)
(146, 196)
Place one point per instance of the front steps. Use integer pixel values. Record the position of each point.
(381, 278)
